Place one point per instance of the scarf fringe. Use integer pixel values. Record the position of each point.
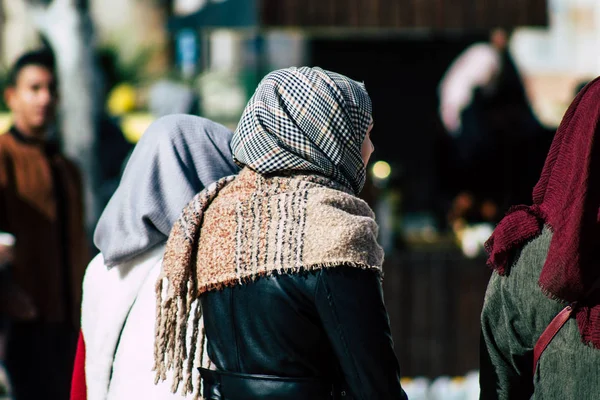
(173, 312)
(171, 351)
(286, 271)
(197, 315)
(520, 225)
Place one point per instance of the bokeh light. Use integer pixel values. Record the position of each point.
(381, 170)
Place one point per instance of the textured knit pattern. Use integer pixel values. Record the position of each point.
(305, 119)
(567, 199)
(260, 226)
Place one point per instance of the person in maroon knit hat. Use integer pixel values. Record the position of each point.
(541, 317)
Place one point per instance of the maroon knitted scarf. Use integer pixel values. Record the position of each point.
(567, 200)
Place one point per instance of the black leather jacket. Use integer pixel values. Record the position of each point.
(331, 325)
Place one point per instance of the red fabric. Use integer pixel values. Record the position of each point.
(567, 199)
(78, 384)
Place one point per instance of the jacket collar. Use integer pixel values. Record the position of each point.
(50, 147)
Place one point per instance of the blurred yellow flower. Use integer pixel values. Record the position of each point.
(5, 122)
(135, 124)
(121, 99)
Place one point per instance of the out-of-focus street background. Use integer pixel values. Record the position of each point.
(466, 94)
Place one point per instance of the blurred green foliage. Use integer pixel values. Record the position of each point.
(115, 69)
(3, 83)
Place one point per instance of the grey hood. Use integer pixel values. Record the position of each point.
(177, 157)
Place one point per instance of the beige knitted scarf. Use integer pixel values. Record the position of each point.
(239, 229)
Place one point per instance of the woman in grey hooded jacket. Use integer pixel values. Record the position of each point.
(176, 158)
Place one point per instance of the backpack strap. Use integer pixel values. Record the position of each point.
(549, 333)
(556, 324)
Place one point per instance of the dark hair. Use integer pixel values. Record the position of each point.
(42, 58)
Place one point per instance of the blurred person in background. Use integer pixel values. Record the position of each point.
(177, 157)
(495, 138)
(467, 86)
(41, 205)
(545, 259)
(477, 68)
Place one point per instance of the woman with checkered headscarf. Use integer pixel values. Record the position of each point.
(282, 261)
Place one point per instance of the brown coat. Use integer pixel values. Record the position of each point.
(41, 204)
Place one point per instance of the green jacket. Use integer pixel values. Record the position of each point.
(515, 314)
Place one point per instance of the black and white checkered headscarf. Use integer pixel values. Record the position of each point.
(305, 119)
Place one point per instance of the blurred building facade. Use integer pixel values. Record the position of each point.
(129, 26)
(557, 59)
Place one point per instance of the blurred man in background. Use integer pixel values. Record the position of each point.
(41, 205)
